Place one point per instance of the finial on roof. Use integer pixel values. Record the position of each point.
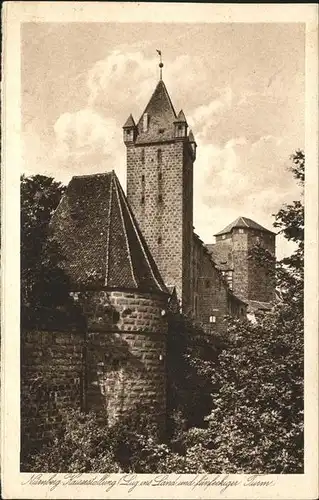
(161, 63)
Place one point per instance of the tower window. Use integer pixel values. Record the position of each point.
(159, 155)
(145, 122)
(159, 240)
(143, 200)
(160, 198)
(207, 284)
(223, 236)
(143, 177)
(142, 156)
(159, 176)
(240, 230)
(212, 319)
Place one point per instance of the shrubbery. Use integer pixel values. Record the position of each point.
(235, 400)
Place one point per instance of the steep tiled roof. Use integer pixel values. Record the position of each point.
(243, 222)
(256, 305)
(129, 122)
(99, 238)
(161, 117)
(221, 255)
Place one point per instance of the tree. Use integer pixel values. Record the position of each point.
(290, 220)
(44, 285)
(256, 421)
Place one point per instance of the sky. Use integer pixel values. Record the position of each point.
(241, 87)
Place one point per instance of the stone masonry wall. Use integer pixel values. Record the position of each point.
(240, 262)
(210, 289)
(51, 379)
(126, 353)
(159, 192)
(117, 365)
(187, 298)
(261, 285)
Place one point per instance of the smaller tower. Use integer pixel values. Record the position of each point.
(181, 126)
(129, 131)
(245, 253)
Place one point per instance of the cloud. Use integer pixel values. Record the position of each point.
(241, 178)
(83, 131)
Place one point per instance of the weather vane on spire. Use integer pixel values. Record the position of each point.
(160, 64)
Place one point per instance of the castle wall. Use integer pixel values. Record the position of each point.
(126, 353)
(261, 286)
(211, 298)
(52, 374)
(115, 366)
(240, 262)
(160, 193)
(252, 280)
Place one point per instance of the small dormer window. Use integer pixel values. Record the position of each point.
(145, 122)
(223, 236)
(241, 231)
(128, 134)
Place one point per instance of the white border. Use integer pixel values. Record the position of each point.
(302, 486)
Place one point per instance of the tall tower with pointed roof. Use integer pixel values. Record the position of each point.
(160, 156)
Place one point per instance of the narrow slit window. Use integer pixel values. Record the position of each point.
(143, 178)
(159, 176)
(143, 156)
(159, 240)
(143, 200)
(160, 198)
(159, 156)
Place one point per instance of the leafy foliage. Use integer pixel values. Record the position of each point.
(44, 285)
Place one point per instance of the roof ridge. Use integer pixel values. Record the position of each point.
(134, 224)
(92, 175)
(125, 232)
(107, 259)
(162, 84)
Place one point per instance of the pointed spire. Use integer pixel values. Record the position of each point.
(159, 115)
(181, 117)
(129, 122)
